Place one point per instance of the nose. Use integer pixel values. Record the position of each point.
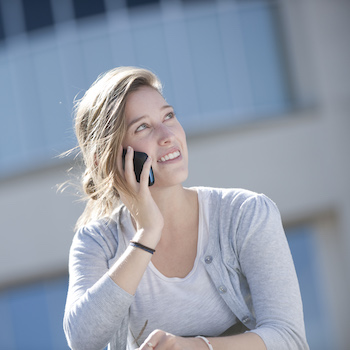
(165, 135)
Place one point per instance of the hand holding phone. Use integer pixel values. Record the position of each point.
(139, 160)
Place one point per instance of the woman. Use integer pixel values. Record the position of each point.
(163, 266)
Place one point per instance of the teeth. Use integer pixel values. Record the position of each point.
(170, 156)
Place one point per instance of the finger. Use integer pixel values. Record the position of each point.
(129, 166)
(144, 177)
(150, 345)
(147, 346)
(154, 340)
(150, 342)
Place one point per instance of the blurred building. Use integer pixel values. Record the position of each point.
(262, 89)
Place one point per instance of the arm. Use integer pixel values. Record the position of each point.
(267, 264)
(99, 297)
(246, 341)
(162, 340)
(95, 306)
(129, 269)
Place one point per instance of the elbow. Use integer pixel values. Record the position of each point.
(297, 337)
(277, 337)
(73, 337)
(78, 336)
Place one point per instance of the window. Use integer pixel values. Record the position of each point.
(31, 316)
(133, 3)
(37, 14)
(302, 242)
(2, 33)
(195, 1)
(86, 8)
(220, 63)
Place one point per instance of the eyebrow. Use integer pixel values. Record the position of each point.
(135, 121)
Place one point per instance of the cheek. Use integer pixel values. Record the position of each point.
(126, 141)
(138, 144)
(182, 136)
(129, 140)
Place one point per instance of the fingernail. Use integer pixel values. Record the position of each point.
(129, 149)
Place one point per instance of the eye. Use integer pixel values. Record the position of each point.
(169, 116)
(141, 127)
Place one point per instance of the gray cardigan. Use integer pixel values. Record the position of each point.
(247, 258)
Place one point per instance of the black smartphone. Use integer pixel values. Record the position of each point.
(139, 160)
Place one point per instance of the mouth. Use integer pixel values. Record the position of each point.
(169, 156)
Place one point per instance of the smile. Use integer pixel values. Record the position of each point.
(169, 156)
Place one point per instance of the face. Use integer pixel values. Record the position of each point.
(152, 128)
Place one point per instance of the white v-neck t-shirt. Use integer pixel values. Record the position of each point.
(188, 306)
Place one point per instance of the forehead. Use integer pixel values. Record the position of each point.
(143, 101)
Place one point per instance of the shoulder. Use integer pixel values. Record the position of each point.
(233, 209)
(102, 233)
(97, 229)
(232, 197)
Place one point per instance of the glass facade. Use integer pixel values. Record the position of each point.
(83, 8)
(133, 3)
(31, 316)
(318, 324)
(220, 65)
(37, 14)
(2, 33)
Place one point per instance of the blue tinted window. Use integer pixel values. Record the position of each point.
(35, 111)
(264, 56)
(302, 242)
(206, 49)
(220, 65)
(2, 33)
(7, 338)
(37, 14)
(55, 298)
(226, 64)
(133, 3)
(31, 316)
(86, 8)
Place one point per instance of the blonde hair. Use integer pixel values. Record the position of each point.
(100, 129)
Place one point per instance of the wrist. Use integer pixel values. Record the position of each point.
(147, 237)
(206, 345)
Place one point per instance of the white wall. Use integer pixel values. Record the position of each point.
(36, 226)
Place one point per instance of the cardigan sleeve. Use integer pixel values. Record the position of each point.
(95, 306)
(267, 264)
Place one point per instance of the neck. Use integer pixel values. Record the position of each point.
(170, 200)
(176, 204)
